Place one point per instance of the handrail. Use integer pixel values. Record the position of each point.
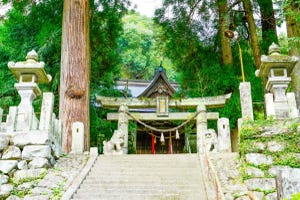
(218, 188)
(212, 175)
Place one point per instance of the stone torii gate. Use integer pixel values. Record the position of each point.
(201, 105)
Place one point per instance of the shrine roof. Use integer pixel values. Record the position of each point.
(159, 85)
(139, 87)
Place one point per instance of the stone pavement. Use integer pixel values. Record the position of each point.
(56, 181)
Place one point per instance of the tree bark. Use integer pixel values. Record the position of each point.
(293, 30)
(226, 52)
(252, 30)
(268, 24)
(75, 70)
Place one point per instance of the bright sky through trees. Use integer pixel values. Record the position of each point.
(146, 7)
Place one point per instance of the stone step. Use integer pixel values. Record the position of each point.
(157, 179)
(154, 196)
(140, 177)
(139, 187)
(141, 181)
(145, 173)
(139, 191)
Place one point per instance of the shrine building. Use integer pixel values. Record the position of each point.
(161, 119)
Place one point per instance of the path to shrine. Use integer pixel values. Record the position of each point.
(177, 176)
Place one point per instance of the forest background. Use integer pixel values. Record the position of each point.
(192, 38)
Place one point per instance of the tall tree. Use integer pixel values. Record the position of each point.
(252, 31)
(226, 53)
(292, 16)
(268, 24)
(75, 70)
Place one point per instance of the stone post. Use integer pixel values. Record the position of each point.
(246, 100)
(123, 126)
(201, 123)
(77, 138)
(224, 140)
(294, 113)
(46, 112)
(269, 104)
(11, 119)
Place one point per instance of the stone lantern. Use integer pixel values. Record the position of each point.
(275, 72)
(28, 73)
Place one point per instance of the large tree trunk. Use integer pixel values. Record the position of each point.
(293, 31)
(268, 24)
(75, 70)
(252, 30)
(223, 26)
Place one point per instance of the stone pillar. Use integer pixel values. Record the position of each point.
(77, 138)
(25, 109)
(46, 112)
(246, 100)
(201, 123)
(58, 136)
(269, 104)
(123, 126)
(11, 119)
(224, 140)
(287, 183)
(292, 105)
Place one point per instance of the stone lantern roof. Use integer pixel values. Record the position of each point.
(275, 60)
(30, 70)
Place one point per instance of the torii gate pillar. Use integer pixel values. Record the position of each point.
(201, 124)
(123, 125)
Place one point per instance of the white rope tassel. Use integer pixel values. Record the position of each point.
(177, 134)
(162, 138)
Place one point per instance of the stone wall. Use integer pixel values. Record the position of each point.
(266, 148)
(27, 154)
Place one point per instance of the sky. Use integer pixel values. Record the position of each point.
(3, 9)
(146, 7)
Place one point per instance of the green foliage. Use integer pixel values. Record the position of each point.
(105, 29)
(141, 49)
(296, 196)
(132, 126)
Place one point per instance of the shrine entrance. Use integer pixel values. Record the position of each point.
(144, 144)
(154, 111)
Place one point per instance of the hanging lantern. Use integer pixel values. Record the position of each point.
(162, 138)
(177, 134)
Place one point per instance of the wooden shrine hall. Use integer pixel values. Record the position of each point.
(157, 122)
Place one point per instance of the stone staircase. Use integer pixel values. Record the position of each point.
(136, 177)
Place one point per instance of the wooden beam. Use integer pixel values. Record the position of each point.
(172, 116)
(209, 102)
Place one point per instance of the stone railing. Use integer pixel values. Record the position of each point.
(51, 125)
(44, 135)
(213, 185)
